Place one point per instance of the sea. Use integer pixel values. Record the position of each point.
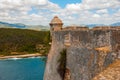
(22, 68)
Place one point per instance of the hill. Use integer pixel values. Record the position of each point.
(38, 27)
(116, 24)
(23, 41)
(44, 28)
(17, 25)
(93, 25)
(23, 26)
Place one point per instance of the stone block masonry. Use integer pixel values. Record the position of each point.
(88, 52)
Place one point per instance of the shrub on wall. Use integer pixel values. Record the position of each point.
(62, 63)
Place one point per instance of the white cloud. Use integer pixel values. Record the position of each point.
(101, 4)
(73, 7)
(95, 4)
(89, 11)
(96, 15)
(102, 11)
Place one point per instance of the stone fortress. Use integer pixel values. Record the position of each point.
(88, 51)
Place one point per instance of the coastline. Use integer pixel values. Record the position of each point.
(21, 56)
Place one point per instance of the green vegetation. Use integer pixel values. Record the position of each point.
(62, 65)
(23, 41)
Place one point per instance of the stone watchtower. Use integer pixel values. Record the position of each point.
(56, 24)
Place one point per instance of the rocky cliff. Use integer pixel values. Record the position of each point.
(88, 52)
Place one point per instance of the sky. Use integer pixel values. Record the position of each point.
(63, 3)
(78, 12)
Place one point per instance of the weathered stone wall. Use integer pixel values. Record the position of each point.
(84, 61)
(115, 39)
(51, 72)
(89, 53)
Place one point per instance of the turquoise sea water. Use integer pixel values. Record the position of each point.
(22, 69)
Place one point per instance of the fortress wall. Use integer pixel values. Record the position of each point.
(88, 53)
(51, 71)
(78, 55)
(101, 38)
(115, 39)
(84, 59)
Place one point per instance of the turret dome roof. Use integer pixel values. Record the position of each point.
(56, 20)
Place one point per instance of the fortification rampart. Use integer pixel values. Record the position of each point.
(88, 52)
(68, 28)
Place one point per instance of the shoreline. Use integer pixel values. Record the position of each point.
(21, 56)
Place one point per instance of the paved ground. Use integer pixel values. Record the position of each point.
(110, 73)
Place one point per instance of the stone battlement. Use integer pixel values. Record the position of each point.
(106, 28)
(88, 51)
(75, 28)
